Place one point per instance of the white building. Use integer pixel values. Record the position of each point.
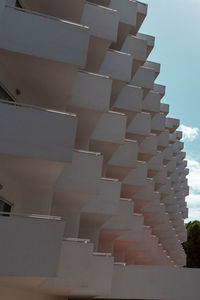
(84, 137)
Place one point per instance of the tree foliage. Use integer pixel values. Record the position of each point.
(192, 246)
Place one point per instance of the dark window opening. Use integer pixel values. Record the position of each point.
(4, 95)
(4, 207)
(18, 4)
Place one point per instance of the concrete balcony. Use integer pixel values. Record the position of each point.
(67, 10)
(155, 165)
(102, 263)
(175, 216)
(164, 108)
(165, 237)
(181, 202)
(130, 17)
(108, 134)
(123, 160)
(168, 281)
(174, 177)
(160, 217)
(144, 195)
(129, 102)
(179, 135)
(79, 271)
(172, 208)
(154, 220)
(168, 199)
(183, 208)
(73, 189)
(147, 208)
(148, 148)
(22, 233)
(187, 190)
(161, 90)
(152, 208)
(161, 178)
(180, 169)
(122, 221)
(177, 147)
(158, 123)
(151, 103)
(142, 12)
(172, 137)
(89, 100)
(140, 127)
(134, 249)
(42, 126)
(167, 155)
(118, 66)
(137, 48)
(186, 172)
(142, 249)
(166, 190)
(99, 209)
(172, 124)
(163, 140)
(144, 77)
(75, 259)
(35, 146)
(185, 213)
(125, 222)
(150, 40)
(171, 166)
(179, 157)
(135, 180)
(166, 226)
(102, 23)
(154, 66)
(53, 61)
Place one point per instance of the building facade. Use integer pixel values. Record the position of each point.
(92, 171)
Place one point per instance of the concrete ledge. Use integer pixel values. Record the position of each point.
(160, 283)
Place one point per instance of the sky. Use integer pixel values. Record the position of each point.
(175, 25)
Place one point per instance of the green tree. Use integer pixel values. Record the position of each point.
(192, 246)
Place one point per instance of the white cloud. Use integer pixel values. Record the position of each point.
(189, 134)
(193, 200)
(194, 214)
(194, 176)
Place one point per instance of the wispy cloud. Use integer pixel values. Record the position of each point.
(189, 134)
(194, 176)
(193, 200)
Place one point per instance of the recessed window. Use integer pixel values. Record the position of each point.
(4, 95)
(4, 206)
(18, 4)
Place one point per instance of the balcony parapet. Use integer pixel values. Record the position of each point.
(74, 55)
(22, 233)
(160, 89)
(43, 126)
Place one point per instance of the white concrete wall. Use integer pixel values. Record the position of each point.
(160, 283)
(30, 246)
(36, 133)
(145, 226)
(69, 46)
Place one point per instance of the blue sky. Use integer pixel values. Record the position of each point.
(175, 25)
